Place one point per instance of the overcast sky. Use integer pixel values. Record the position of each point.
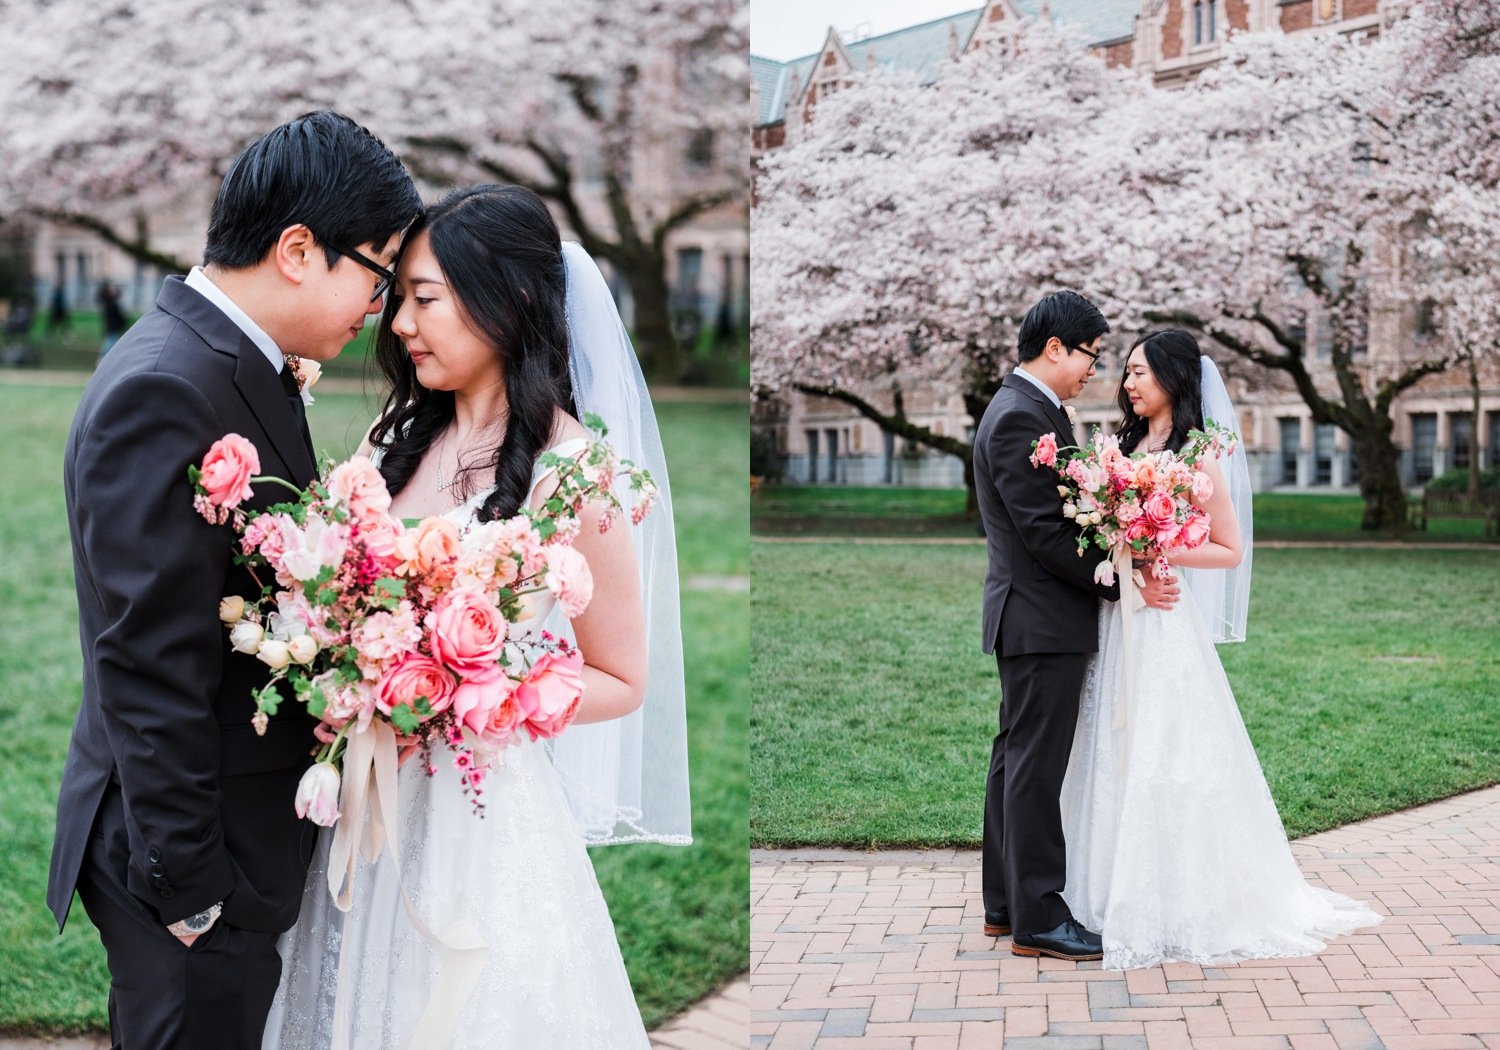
(785, 29)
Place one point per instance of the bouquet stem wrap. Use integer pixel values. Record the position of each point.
(369, 791)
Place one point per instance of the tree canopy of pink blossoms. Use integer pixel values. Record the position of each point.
(1351, 181)
(626, 114)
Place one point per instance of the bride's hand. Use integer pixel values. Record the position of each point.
(1160, 594)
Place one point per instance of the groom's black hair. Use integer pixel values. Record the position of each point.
(1069, 316)
(321, 170)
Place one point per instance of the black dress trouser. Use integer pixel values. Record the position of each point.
(1025, 858)
(214, 995)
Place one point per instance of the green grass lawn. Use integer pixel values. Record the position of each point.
(1370, 682)
(681, 914)
(838, 510)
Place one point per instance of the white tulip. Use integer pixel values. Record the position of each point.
(273, 653)
(302, 649)
(318, 794)
(246, 636)
(232, 609)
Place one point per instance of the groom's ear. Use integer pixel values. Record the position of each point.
(293, 252)
(1053, 349)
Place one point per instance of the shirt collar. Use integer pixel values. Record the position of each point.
(1043, 387)
(199, 282)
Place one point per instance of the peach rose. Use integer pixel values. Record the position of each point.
(360, 485)
(414, 677)
(1145, 474)
(227, 469)
(569, 578)
(467, 631)
(551, 693)
(433, 549)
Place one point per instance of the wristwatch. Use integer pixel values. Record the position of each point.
(195, 924)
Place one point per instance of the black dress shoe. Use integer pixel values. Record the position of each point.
(1068, 941)
(996, 924)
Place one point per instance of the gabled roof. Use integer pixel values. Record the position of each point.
(922, 48)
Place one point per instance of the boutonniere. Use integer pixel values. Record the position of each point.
(1072, 414)
(306, 372)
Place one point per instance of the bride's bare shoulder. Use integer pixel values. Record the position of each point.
(566, 428)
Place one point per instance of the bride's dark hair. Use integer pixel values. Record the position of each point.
(501, 255)
(1176, 363)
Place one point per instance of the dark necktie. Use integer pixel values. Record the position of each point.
(289, 384)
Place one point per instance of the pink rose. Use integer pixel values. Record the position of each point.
(569, 578)
(551, 693)
(227, 469)
(467, 631)
(1194, 531)
(1046, 451)
(1139, 529)
(1203, 487)
(360, 485)
(1126, 513)
(1160, 510)
(484, 702)
(414, 677)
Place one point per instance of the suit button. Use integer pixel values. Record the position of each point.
(157, 869)
(168, 893)
(153, 855)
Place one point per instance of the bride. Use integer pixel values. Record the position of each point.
(1175, 850)
(493, 932)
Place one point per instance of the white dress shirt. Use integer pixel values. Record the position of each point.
(1043, 387)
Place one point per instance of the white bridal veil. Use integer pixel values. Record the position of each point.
(627, 779)
(1223, 595)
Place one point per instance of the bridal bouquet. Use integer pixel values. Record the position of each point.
(370, 618)
(1141, 503)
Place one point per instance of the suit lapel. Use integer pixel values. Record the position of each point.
(261, 388)
(255, 377)
(1054, 412)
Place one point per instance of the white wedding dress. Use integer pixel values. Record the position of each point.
(1175, 848)
(552, 976)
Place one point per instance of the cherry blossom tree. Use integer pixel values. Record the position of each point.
(1306, 178)
(626, 114)
(899, 240)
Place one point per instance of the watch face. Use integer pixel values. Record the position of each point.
(199, 923)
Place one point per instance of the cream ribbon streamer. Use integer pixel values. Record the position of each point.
(368, 791)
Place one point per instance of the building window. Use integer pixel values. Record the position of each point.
(1205, 22)
(812, 456)
(1291, 449)
(1198, 26)
(1423, 443)
(1492, 456)
(1458, 426)
(1323, 454)
(832, 437)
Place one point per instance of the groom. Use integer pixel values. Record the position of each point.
(175, 820)
(1041, 616)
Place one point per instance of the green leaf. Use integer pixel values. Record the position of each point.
(405, 719)
(392, 586)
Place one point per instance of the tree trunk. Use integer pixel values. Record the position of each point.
(1474, 430)
(1380, 480)
(655, 342)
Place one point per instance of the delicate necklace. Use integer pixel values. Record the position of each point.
(444, 484)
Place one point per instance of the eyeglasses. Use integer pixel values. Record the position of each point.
(1093, 355)
(386, 276)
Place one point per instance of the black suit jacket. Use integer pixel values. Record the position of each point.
(1039, 595)
(166, 703)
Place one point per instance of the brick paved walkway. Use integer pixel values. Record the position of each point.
(884, 951)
